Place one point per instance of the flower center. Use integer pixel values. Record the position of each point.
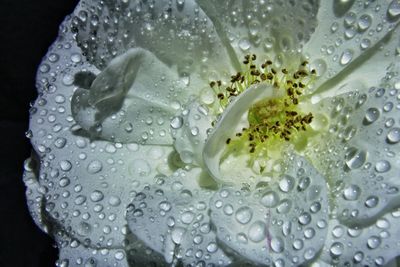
(274, 122)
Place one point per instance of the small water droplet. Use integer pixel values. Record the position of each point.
(346, 57)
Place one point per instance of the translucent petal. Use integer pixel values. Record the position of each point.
(177, 32)
(232, 120)
(132, 100)
(373, 245)
(282, 222)
(190, 131)
(360, 152)
(172, 218)
(260, 27)
(347, 33)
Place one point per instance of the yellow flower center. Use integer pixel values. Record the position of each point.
(272, 122)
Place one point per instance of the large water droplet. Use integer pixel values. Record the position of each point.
(243, 215)
(257, 231)
(393, 136)
(394, 9)
(355, 158)
(286, 184)
(337, 249)
(382, 166)
(371, 115)
(176, 122)
(270, 199)
(351, 192)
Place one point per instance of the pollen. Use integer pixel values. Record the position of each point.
(270, 120)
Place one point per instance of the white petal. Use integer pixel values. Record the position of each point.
(346, 35)
(360, 153)
(282, 222)
(177, 32)
(263, 27)
(172, 218)
(132, 100)
(190, 131)
(374, 245)
(232, 120)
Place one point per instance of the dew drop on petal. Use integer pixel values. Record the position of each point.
(270, 199)
(176, 122)
(393, 136)
(382, 166)
(394, 9)
(257, 231)
(346, 57)
(336, 249)
(373, 242)
(371, 115)
(351, 192)
(243, 215)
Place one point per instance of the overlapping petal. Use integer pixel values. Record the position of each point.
(172, 218)
(281, 222)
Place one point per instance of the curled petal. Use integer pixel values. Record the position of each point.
(232, 120)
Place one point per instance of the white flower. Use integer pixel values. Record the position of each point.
(140, 156)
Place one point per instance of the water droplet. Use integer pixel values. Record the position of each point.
(394, 9)
(364, 22)
(94, 167)
(286, 184)
(96, 196)
(187, 217)
(355, 158)
(270, 199)
(177, 235)
(372, 201)
(382, 166)
(244, 44)
(393, 136)
(351, 192)
(176, 122)
(277, 244)
(358, 256)
(228, 209)
(373, 242)
(346, 57)
(212, 247)
(284, 206)
(371, 115)
(256, 231)
(305, 218)
(337, 249)
(165, 206)
(243, 215)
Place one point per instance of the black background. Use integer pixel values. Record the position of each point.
(27, 29)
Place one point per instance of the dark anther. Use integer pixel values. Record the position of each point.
(253, 57)
(228, 141)
(212, 84)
